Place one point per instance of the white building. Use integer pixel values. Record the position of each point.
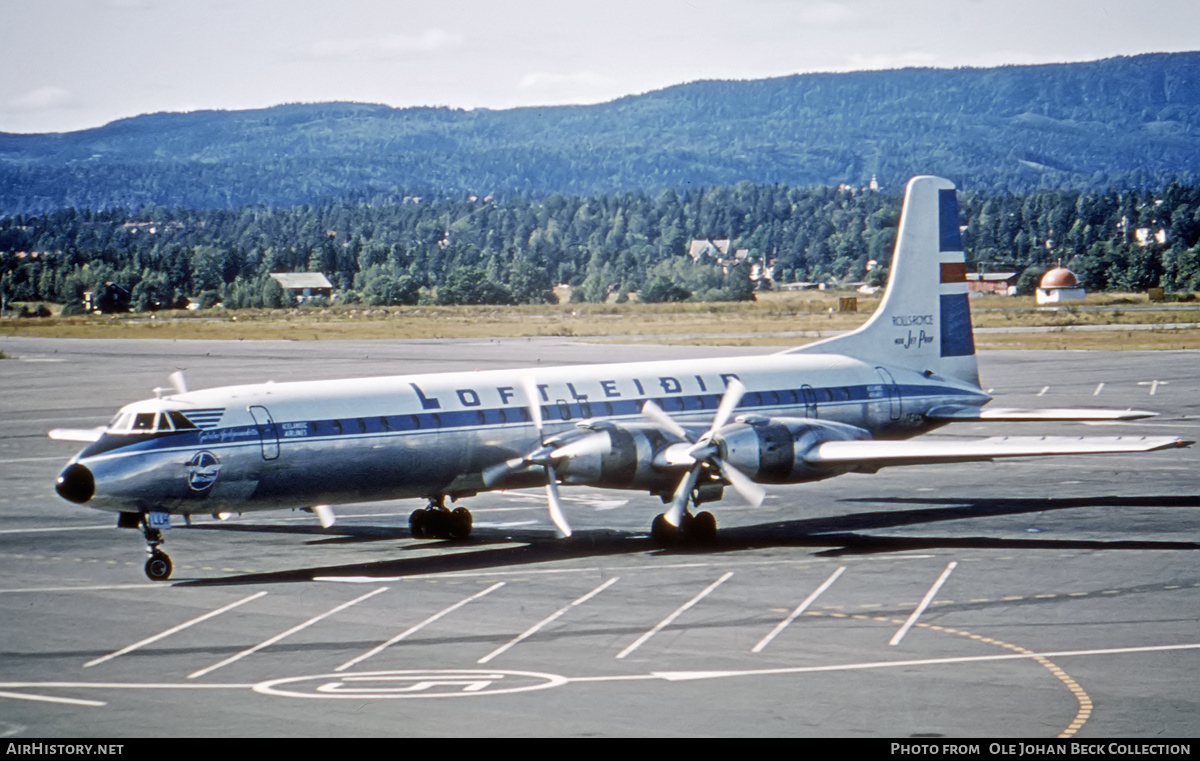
(1059, 285)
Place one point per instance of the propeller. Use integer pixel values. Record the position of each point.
(544, 457)
(704, 450)
(597, 442)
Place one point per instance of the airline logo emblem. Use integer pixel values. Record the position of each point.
(202, 471)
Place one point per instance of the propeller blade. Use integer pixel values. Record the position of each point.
(178, 382)
(743, 485)
(561, 528)
(494, 474)
(595, 443)
(733, 394)
(682, 495)
(663, 420)
(531, 402)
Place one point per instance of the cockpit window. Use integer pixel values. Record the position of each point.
(180, 422)
(166, 421)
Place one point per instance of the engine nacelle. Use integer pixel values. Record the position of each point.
(628, 463)
(771, 450)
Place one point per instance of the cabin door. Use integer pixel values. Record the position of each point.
(893, 393)
(268, 434)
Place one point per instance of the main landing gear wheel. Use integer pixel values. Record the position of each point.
(158, 566)
(693, 530)
(436, 522)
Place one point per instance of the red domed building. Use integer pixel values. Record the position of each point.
(1058, 285)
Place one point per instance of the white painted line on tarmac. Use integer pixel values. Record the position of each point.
(671, 676)
(417, 627)
(1154, 384)
(808, 601)
(678, 612)
(49, 699)
(94, 588)
(928, 598)
(9, 461)
(546, 621)
(676, 676)
(50, 529)
(172, 630)
(282, 635)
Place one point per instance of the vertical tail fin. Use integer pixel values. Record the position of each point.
(924, 320)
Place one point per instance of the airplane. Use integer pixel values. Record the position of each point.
(681, 430)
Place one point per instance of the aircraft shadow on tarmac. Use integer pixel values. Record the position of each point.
(838, 535)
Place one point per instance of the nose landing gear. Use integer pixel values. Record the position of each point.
(158, 566)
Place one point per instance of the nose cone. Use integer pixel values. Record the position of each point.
(76, 484)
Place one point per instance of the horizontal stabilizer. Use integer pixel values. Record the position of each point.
(872, 455)
(76, 434)
(1016, 415)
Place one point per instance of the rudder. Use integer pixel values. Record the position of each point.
(924, 320)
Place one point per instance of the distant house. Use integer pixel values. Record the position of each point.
(716, 249)
(107, 299)
(1003, 283)
(302, 286)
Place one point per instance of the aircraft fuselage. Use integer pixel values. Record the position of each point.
(275, 445)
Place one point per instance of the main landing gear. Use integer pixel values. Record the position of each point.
(438, 522)
(158, 566)
(693, 530)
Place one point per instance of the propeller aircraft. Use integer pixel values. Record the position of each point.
(682, 430)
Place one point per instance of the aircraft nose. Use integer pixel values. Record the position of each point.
(76, 484)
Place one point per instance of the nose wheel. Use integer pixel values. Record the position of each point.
(158, 566)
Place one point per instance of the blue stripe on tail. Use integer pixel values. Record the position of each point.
(957, 338)
(949, 237)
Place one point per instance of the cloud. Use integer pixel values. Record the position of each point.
(827, 14)
(387, 46)
(581, 87)
(542, 79)
(885, 61)
(43, 99)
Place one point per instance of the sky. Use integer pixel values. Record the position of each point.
(74, 64)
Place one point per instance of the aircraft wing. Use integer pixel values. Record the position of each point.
(86, 435)
(871, 455)
(1016, 415)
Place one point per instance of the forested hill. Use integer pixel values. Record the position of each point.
(1130, 122)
